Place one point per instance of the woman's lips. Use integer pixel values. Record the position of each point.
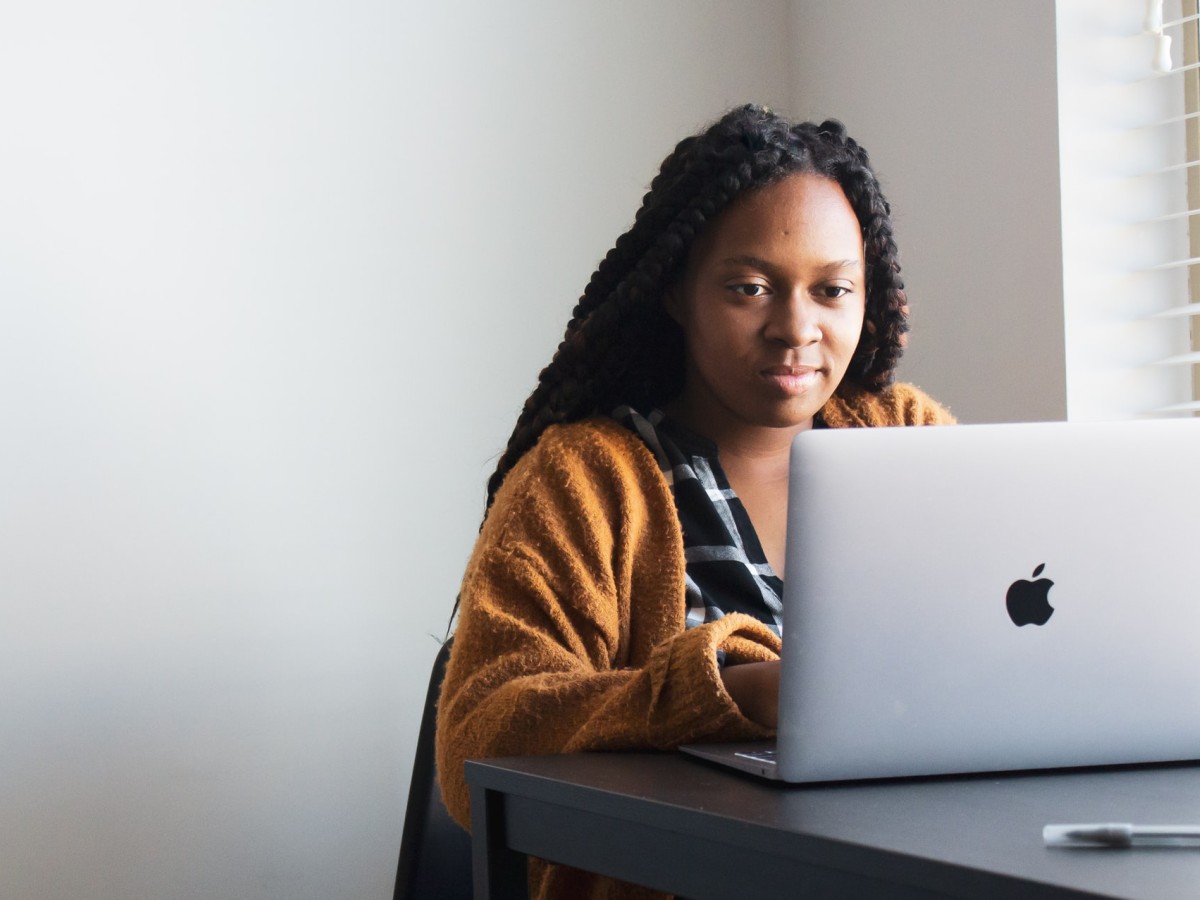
(791, 379)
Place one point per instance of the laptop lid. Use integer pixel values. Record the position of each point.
(989, 597)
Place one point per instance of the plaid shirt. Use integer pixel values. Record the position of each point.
(727, 570)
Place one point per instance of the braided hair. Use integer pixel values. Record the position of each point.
(621, 346)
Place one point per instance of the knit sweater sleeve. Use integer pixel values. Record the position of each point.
(571, 632)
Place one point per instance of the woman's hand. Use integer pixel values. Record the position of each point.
(754, 687)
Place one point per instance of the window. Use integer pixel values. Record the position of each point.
(1125, 177)
(1184, 30)
(1190, 26)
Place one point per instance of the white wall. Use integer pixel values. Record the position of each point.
(955, 100)
(275, 278)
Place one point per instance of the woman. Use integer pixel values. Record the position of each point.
(625, 589)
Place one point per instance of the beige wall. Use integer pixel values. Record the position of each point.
(956, 103)
(274, 282)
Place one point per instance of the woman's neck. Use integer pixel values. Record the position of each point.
(738, 441)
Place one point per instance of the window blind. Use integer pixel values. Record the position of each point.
(1182, 33)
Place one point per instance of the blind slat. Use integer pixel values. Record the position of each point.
(1174, 22)
(1178, 167)
(1175, 264)
(1174, 120)
(1163, 73)
(1193, 406)
(1171, 217)
(1192, 309)
(1183, 359)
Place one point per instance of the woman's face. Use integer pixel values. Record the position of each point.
(771, 305)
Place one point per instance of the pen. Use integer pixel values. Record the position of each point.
(1120, 834)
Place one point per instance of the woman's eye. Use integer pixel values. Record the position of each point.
(834, 291)
(750, 290)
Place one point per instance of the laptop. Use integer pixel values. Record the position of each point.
(981, 598)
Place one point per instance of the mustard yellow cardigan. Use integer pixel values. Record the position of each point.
(571, 631)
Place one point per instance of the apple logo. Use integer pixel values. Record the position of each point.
(1028, 602)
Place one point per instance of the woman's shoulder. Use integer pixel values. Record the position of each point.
(584, 464)
(596, 442)
(898, 404)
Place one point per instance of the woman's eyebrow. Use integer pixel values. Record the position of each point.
(843, 264)
(747, 260)
(760, 263)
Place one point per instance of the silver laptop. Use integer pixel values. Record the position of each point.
(988, 597)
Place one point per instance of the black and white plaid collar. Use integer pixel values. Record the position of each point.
(726, 568)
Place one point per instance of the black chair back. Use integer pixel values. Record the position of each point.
(435, 852)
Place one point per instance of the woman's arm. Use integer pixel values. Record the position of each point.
(571, 635)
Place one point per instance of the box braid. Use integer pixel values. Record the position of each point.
(621, 346)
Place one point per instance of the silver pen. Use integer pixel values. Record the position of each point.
(1121, 834)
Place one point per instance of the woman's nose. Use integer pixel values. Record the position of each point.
(794, 322)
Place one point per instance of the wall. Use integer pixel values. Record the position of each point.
(274, 281)
(275, 278)
(956, 103)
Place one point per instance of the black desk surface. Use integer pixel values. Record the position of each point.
(684, 825)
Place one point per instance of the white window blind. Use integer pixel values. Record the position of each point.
(1175, 57)
(1124, 171)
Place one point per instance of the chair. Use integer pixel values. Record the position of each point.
(435, 852)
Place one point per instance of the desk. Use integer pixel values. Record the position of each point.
(685, 826)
